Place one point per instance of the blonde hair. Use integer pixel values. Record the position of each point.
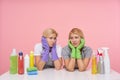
(76, 31)
(49, 31)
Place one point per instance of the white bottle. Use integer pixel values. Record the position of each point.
(26, 63)
(106, 60)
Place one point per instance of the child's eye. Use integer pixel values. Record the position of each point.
(52, 38)
(76, 37)
(55, 38)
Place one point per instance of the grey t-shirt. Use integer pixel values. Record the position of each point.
(86, 52)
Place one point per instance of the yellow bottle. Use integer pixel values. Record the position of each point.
(94, 64)
(31, 59)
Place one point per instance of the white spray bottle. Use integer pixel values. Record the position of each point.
(106, 60)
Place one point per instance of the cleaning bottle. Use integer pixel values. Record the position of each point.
(31, 59)
(97, 56)
(106, 60)
(100, 51)
(94, 64)
(101, 64)
(26, 63)
(20, 63)
(13, 62)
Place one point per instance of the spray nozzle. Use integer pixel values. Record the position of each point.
(100, 51)
(105, 48)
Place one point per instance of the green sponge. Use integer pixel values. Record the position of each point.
(31, 69)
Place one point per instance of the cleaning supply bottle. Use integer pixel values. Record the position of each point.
(31, 59)
(99, 51)
(20, 63)
(101, 64)
(97, 56)
(26, 63)
(13, 62)
(94, 64)
(106, 60)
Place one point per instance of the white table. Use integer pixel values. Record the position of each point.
(52, 74)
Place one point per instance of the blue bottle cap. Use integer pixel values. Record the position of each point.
(20, 53)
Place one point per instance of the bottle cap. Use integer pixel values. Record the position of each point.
(14, 51)
(26, 56)
(94, 53)
(31, 52)
(20, 53)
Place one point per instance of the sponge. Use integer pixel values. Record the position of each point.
(30, 69)
(32, 73)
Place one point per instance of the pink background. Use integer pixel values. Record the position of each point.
(23, 21)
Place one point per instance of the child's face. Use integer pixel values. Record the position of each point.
(75, 39)
(51, 39)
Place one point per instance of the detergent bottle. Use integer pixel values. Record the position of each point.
(101, 64)
(106, 60)
(94, 64)
(31, 59)
(13, 62)
(20, 63)
(26, 63)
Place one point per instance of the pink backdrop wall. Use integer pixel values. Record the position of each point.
(22, 23)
